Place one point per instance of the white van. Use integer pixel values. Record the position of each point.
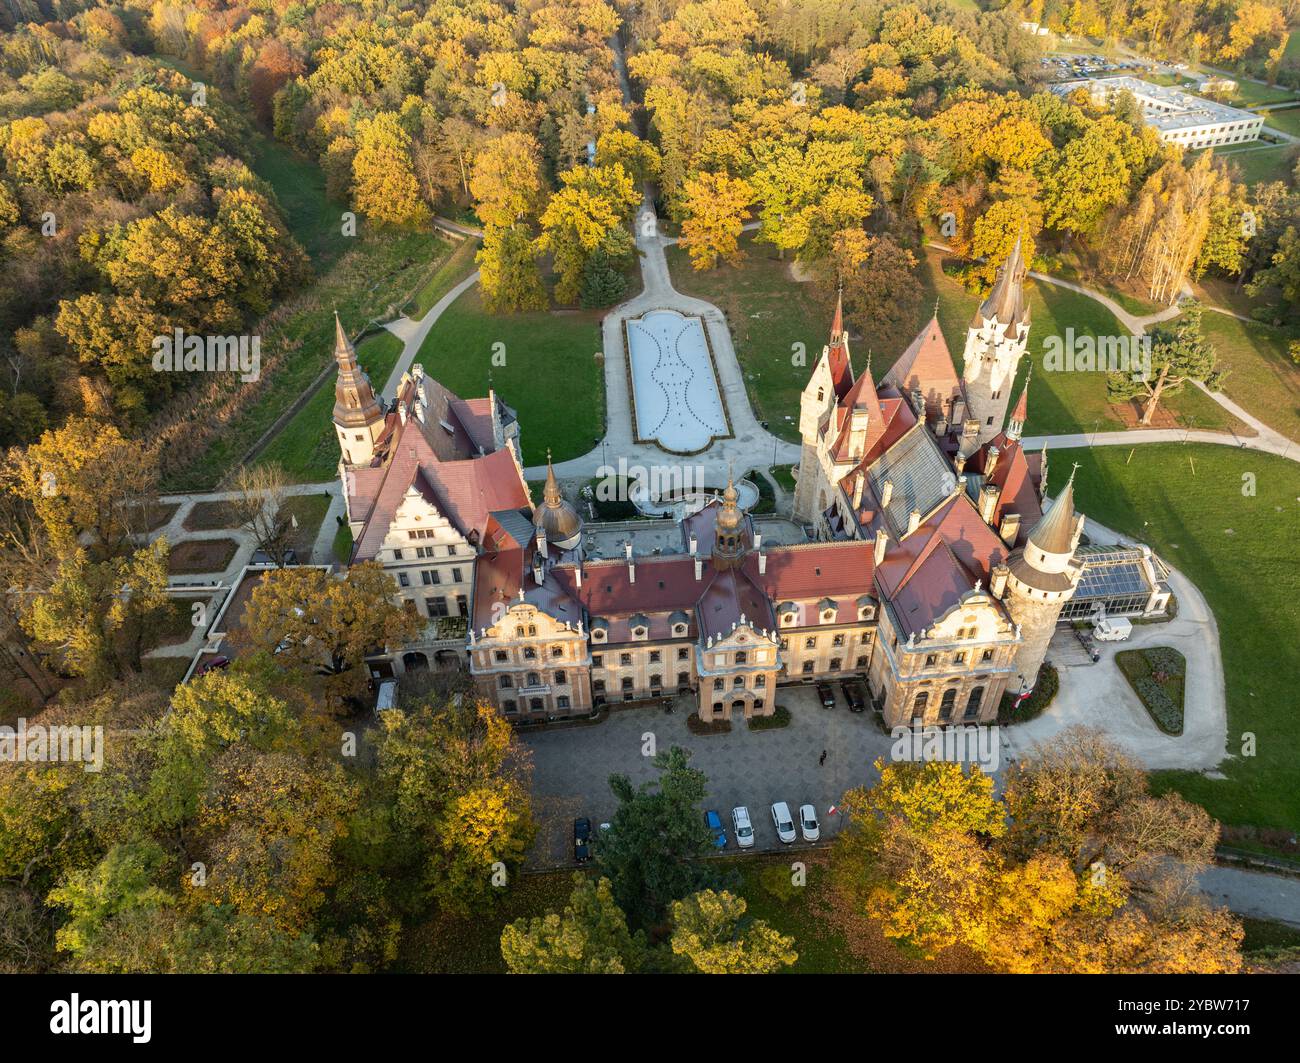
(1112, 629)
(387, 698)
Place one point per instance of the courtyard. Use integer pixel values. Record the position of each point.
(572, 766)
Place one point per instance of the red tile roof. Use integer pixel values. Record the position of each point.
(927, 366)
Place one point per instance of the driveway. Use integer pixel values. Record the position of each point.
(572, 766)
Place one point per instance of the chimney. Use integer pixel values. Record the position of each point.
(539, 569)
(918, 403)
(627, 549)
(762, 564)
(858, 484)
(882, 540)
(541, 542)
(758, 539)
(858, 431)
(694, 544)
(991, 460)
(401, 412)
(577, 574)
(998, 581)
(631, 572)
(913, 521)
(1010, 529)
(886, 494)
(970, 432)
(989, 495)
(699, 568)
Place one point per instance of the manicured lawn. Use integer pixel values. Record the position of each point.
(315, 221)
(309, 510)
(201, 556)
(459, 265)
(1240, 551)
(768, 314)
(1261, 376)
(784, 475)
(307, 447)
(551, 377)
(1288, 121)
(298, 339)
(177, 623)
(1059, 402)
(343, 544)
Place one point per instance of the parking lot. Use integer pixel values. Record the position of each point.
(752, 768)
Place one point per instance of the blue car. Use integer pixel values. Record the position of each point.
(714, 822)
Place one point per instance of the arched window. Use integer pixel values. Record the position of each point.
(973, 703)
(949, 700)
(918, 706)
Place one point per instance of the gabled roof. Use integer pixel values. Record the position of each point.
(921, 475)
(1012, 475)
(927, 366)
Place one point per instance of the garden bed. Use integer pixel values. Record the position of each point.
(1156, 675)
(780, 718)
(209, 516)
(698, 727)
(196, 556)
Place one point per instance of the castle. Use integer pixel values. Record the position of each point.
(932, 571)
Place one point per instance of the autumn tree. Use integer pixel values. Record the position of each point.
(322, 625)
(588, 214)
(590, 936)
(877, 277)
(711, 932)
(716, 207)
(260, 508)
(384, 185)
(509, 273)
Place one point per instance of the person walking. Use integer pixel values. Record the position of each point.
(821, 762)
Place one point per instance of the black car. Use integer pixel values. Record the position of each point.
(854, 695)
(582, 840)
(826, 694)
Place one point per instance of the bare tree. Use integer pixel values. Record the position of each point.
(260, 509)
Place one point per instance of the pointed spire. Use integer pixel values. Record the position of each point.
(558, 520)
(1054, 533)
(1006, 302)
(837, 322)
(837, 351)
(551, 493)
(1016, 425)
(355, 403)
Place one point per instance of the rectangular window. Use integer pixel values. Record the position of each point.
(455, 575)
(654, 656)
(403, 580)
(436, 606)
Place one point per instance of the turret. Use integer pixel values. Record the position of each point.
(358, 414)
(1042, 579)
(995, 341)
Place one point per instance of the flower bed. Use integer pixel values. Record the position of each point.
(1156, 675)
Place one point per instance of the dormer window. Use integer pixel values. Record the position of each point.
(828, 615)
(598, 635)
(639, 632)
(679, 629)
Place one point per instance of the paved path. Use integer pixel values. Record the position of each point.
(412, 333)
(1253, 893)
(1272, 443)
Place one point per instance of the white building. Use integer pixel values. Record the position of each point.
(1179, 117)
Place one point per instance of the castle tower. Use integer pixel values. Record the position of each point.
(831, 380)
(995, 342)
(358, 414)
(1042, 579)
(728, 530)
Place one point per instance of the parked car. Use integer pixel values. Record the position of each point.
(582, 840)
(808, 825)
(1112, 629)
(261, 557)
(783, 821)
(826, 694)
(743, 828)
(212, 665)
(855, 696)
(714, 822)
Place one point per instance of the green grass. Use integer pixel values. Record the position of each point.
(1264, 934)
(768, 314)
(343, 544)
(307, 447)
(309, 510)
(550, 376)
(1162, 697)
(1261, 376)
(298, 341)
(1059, 402)
(1288, 121)
(784, 475)
(315, 221)
(1188, 503)
(1255, 166)
(459, 265)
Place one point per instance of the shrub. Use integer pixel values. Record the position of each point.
(698, 727)
(780, 718)
(1049, 682)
